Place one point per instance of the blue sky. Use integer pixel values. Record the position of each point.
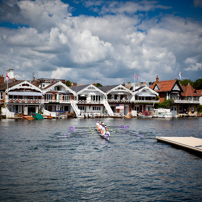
(102, 41)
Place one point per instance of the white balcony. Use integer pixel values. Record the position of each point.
(57, 101)
(179, 101)
(25, 101)
(90, 102)
(119, 101)
(146, 101)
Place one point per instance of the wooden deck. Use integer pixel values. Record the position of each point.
(187, 143)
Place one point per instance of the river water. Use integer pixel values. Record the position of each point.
(44, 161)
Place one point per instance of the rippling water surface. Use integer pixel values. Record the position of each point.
(44, 161)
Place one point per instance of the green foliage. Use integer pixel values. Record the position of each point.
(199, 108)
(157, 98)
(166, 104)
(198, 84)
(68, 83)
(98, 85)
(185, 82)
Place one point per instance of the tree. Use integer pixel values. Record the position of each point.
(199, 108)
(98, 85)
(166, 104)
(198, 84)
(68, 83)
(185, 82)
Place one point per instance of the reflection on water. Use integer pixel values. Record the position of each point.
(45, 161)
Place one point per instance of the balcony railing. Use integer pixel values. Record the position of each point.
(118, 101)
(56, 101)
(130, 101)
(25, 101)
(146, 101)
(90, 102)
(179, 101)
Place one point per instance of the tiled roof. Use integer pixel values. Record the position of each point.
(164, 86)
(10, 84)
(199, 92)
(189, 91)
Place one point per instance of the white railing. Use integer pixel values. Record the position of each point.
(119, 101)
(187, 101)
(90, 102)
(146, 101)
(57, 101)
(26, 101)
(108, 108)
(75, 108)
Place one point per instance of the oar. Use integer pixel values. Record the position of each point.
(111, 129)
(92, 130)
(136, 133)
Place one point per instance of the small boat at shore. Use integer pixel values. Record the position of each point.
(103, 130)
(162, 113)
(145, 114)
(36, 116)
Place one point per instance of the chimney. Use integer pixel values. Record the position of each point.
(157, 79)
(1, 79)
(35, 82)
(124, 84)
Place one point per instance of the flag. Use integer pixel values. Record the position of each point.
(7, 77)
(120, 106)
(136, 77)
(180, 75)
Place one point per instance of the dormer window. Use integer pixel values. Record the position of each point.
(57, 88)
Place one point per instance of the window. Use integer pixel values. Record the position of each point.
(49, 96)
(66, 97)
(1, 95)
(81, 107)
(95, 97)
(96, 108)
(57, 88)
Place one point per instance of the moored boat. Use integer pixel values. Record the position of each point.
(162, 113)
(145, 114)
(36, 116)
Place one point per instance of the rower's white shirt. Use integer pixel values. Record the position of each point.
(103, 128)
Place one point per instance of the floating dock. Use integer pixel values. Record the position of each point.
(187, 143)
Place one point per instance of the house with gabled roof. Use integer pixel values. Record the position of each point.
(168, 89)
(119, 98)
(58, 99)
(190, 99)
(91, 100)
(185, 99)
(144, 98)
(20, 97)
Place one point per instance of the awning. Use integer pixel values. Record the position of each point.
(145, 95)
(24, 93)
